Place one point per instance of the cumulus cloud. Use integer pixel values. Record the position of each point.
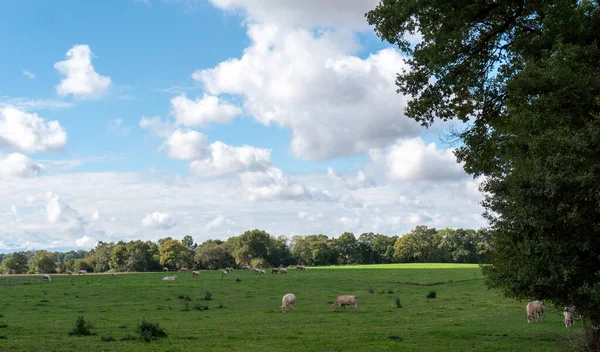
(187, 145)
(347, 13)
(334, 103)
(412, 159)
(85, 242)
(218, 223)
(303, 215)
(157, 220)
(29, 133)
(80, 78)
(63, 215)
(29, 74)
(199, 112)
(273, 184)
(18, 165)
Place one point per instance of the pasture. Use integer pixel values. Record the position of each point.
(246, 315)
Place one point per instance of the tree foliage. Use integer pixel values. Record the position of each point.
(526, 76)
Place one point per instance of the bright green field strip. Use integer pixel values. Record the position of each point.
(465, 316)
(402, 266)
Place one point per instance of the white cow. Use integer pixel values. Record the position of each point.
(288, 301)
(47, 277)
(170, 278)
(569, 313)
(535, 311)
(82, 272)
(346, 300)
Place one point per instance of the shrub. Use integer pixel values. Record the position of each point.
(82, 327)
(431, 294)
(123, 326)
(371, 290)
(2, 326)
(150, 331)
(198, 306)
(397, 302)
(207, 296)
(107, 339)
(238, 280)
(390, 291)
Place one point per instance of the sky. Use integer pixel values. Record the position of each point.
(142, 119)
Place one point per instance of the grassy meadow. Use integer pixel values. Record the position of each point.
(245, 314)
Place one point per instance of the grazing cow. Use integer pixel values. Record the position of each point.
(255, 270)
(283, 271)
(343, 301)
(535, 311)
(288, 301)
(261, 272)
(274, 270)
(82, 272)
(165, 269)
(195, 273)
(169, 278)
(300, 267)
(569, 313)
(224, 273)
(113, 274)
(183, 269)
(46, 276)
(246, 267)
(69, 272)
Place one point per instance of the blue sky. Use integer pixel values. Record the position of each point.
(279, 115)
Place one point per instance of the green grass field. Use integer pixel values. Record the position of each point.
(465, 315)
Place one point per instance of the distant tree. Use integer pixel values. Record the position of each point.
(210, 255)
(43, 262)
(119, 257)
(174, 254)
(348, 248)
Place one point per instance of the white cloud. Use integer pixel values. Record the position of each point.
(29, 132)
(95, 215)
(359, 181)
(80, 78)
(412, 159)
(117, 127)
(335, 104)
(349, 223)
(18, 165)
(26, 104)
(63, 215)
(218, 223)
(85, 242)
(159, 127)
(29, 74)
(347, 13)
(224, 159)
(273, 184)
(200, 112)
(158, 220)
(216, 158)
(310, 217)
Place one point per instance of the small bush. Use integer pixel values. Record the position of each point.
(397, 302)
(44, 301)
(207, 296)
(238, 280)
(198, 306)
(395, 338)
(180, 296)
(2, 326)
(123, 326)
(431, 294)
(128, 337)
(371, 290)
(390, 291)
(107, 339)
(82, 327)
(220, 305)
(150, 331)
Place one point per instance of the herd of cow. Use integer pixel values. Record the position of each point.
(536, 311)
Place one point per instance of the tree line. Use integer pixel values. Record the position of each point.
(259, 248)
